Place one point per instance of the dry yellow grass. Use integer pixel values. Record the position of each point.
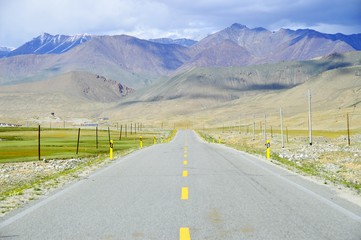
(329, 157)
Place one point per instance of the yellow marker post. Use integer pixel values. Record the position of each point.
(141, 142)
(184, 234)
(154, 140)
(268, 150)
(219, 139)
(111, 149)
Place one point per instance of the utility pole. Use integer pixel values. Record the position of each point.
(96, 137)
(309, 118)
(39, 143)
(254, 126)
(120, 133)
(265, 127)
(281, 117)
(245, 118)
(348, 130)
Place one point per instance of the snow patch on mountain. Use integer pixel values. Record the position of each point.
(49, 44)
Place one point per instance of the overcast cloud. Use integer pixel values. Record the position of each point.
(22, 20)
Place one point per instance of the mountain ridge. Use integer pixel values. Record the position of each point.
(226, 83)
(264, 46)
(58, 40)
(49, 44)
(212, 94)
(138, 63)
(180, 41)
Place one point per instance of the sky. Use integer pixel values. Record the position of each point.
(22, 20)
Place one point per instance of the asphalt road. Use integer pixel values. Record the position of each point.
(188, 189)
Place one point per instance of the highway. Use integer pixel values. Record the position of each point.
(188, 189)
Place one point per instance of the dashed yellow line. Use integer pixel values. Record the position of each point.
(184, 234)
(184, 195)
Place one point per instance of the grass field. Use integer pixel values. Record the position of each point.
(21, 144)
(24, 178)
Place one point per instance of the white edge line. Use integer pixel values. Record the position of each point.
(305, 190)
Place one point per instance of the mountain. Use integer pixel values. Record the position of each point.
(259, 45)
(140, 63)
(79, 85)
(182, 41)
(49, 44)
(222, 54)
(223, 84)
(72, 92)
(5, 51)
(213, 95)
(216, 96)
(127, 59)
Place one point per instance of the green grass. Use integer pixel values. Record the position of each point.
(21, 144)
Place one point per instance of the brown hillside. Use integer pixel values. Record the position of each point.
(71, 93)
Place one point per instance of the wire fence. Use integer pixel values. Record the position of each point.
(38, 143)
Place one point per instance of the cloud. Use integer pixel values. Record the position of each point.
(21, 20)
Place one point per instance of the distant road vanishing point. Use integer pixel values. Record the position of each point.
(188, 189)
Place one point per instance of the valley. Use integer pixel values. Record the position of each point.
(180, 120)
(211, 96)
(230, 79)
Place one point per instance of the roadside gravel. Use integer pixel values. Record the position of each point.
(331, 159)
(40, 178)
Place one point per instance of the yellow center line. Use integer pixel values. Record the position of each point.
(184, 195)
(184, 234)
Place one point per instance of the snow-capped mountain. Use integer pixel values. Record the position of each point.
(137, 62)
(49, 44)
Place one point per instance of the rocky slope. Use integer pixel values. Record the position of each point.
(73, 93)
(259, 45)
(228, 83)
